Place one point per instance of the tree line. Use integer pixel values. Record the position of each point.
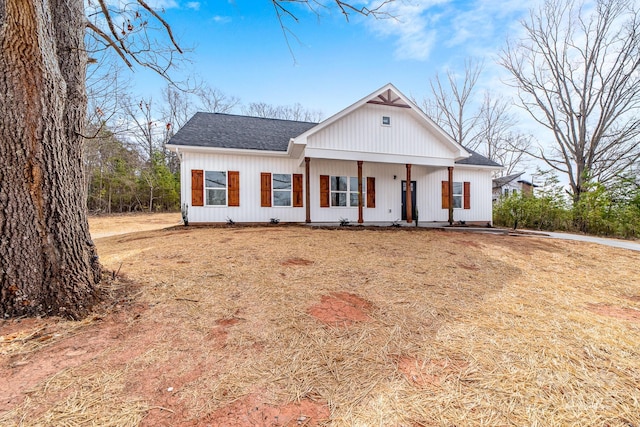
(126, 164)
(607, 210)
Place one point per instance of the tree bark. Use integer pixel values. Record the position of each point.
(48, 263)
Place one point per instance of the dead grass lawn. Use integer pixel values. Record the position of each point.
(297, 326)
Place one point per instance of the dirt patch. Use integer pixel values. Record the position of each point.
(468, 242)
(252, 411)
(296, 261)
(52, 350)
(615, 311)
(341, 309)
(220, 332)
(430, 373)
(112, 225)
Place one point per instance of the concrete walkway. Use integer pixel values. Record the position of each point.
(616, 243)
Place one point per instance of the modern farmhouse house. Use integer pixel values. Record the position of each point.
(354, 165)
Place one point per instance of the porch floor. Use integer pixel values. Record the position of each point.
(431, 224)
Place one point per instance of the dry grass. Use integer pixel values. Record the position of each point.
(460, 329)
(105, 226)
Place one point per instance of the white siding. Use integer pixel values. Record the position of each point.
(481, 204)
(250, 168)
(388, 190)
(362, 131)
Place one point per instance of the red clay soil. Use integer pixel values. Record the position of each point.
(23, 371)
(633, 298)
(251, 411)
(616, 312)
(341, 309)
(429, 373)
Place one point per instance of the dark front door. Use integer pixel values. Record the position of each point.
(404, 200)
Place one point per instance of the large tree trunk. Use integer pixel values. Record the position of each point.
(48, 263)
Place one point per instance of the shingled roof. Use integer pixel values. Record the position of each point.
(477, 159)
(503, 180)
(217, 130)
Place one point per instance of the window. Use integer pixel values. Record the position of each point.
(457, 195)
(353, 191)
(344, 191)
(386, 121)
(461, 192)
(215, 186)
(281, 189)
(338, 191)
(506, 192)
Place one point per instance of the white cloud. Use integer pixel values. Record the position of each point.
(422, 25)
(412, 26)
(162, 4)
(194, 5)
(221, 19)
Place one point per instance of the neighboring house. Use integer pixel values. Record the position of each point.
(510, 184)
(353, 165)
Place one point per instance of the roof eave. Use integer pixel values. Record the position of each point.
(220, 150)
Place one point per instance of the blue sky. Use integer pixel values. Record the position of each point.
(240, 49)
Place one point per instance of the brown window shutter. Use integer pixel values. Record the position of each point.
(324, 191)
(467, 195)
(197, 188)
(265, 189)
(234, 188)
(297, 190)
(371, 192)
(445, 194)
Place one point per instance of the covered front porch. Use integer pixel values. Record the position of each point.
(372, 192)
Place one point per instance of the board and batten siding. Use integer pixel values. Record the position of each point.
(362, 131)
(480, 198)
(250, 169)
(388, 191)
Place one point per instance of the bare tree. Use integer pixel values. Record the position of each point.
(452, 102)
(578, 75)
(284, 112)
(483, 125)
(499, 139)
(213, 100)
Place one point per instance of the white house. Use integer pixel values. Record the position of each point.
(354, 165)
(510, 184)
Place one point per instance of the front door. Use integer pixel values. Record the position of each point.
(404, 200)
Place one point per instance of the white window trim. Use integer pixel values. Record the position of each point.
(461, 195)
(347, 192)
(332, 191)
(226, 189)
(364, 193)
(273, 191)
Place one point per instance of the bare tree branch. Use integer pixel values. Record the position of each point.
(578, 75)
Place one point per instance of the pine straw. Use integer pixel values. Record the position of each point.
(96, 399)
(503, 323)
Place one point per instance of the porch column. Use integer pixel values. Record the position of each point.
(307, 184)
(450, 195)
(360, 198)
(408, 195)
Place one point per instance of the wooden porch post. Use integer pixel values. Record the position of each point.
(307, 183)
(408, 196)
(360, 198)
(450, 195)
